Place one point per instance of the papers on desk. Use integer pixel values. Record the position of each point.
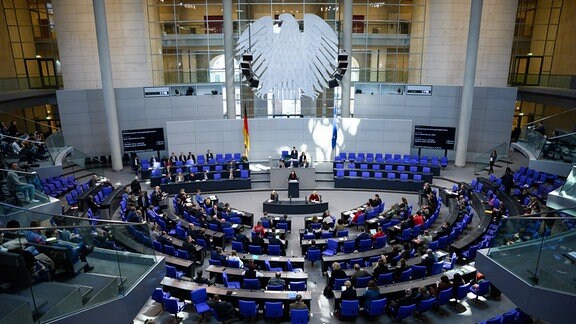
(293, 181)
(274, 259)
(213, 197)
(255, 257)
(347, 213)
(372, 231)
(292, 295)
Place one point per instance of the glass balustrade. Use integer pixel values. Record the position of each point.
(539, 250)
(21, 188)
(482, 162)
(63, 264)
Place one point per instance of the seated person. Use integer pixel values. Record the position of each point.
(303, 160)
(259, 229)
(223, 309)
(372, 293)
(299, 304)
(274, 196)
(408, 299)
(179, 177)
(277, 281)
(14, 183)
(347, 294)
(217, 254)
(199, 279)
(252, 271)
(314, 197)
(379, 233)
(234, 257)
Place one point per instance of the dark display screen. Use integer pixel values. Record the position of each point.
(436, 137)
(142, 140)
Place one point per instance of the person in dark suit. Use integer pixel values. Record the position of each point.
(173, 158)
(348, 294)
(191, 157)
(135, 186)
(209, 155)
(275, 241)
(182, 157)
(493, 158)
(294, 153)
(258, 240)
(361, 236)
(143, 201)
(240, 237)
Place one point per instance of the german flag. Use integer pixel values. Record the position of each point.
(246, 133)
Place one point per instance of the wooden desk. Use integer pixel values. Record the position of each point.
(297, 262)
(182, 289)
(396, 290)
(321, 243)
(294, 207)
(343, 257)
(235, 274)
(181, 264)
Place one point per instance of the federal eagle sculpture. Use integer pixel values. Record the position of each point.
(290, 63)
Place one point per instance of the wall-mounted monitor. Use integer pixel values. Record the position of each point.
(143, 140)
(435, 137)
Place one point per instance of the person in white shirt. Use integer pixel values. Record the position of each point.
(15, 147)
(234, 257)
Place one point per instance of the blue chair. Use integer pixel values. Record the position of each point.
(450, 265)
(273, 309)
(425, 305)
(362, 282)
(360, 220)
(349, 246)
(470, 254)
(444, 296)
(297, 286)
(215, 262)
(405, 311)
(248, 308)
(405, 276)
(349, 309)
(158, 295)
(269, 268)
(331, 247)
(482, 289)
(326, 235)
(173, 306)
(433, 245)
(462, 291)
(378, 175)
(385, 279)
(313, 255)
(377, 307)
(365, 245)
(299, 316)
(233, 264)
(255, 249)
(437, 268)
(169, 249)
(199, 299)
(274, 250)
(173, 273)
(338, 283)
(380, 242)
(157, 246)
(238, 246)
(182, 254)
(443, 242)
(405, 236)
(275, 288)
(418, 271)
(253, 284)
(342, 233)
(229, 284)
(289, 267)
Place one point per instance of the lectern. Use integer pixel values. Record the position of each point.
(293, 189)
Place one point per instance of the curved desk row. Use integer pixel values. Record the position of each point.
(236, 273)
(381, 183)
(182, 289)
(207, 186)
(294, 207)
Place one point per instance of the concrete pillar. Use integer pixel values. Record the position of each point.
(468, 86)
(347, 46)
(107, 83)
(229, 59)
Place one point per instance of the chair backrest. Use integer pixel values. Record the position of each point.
(170, 250)
(342, 233)
(274, 249)
(405, 276)
(198, 296)
(313, 255)
(362, 282)
(297, 286)
(158, 295)
(462, 291)
(233, 263)
(248, 307)
(444, 296)
(418, 272)
(405, 311)
(377, 307)
(364, 245)
(171, 272)
(332, 245)
(182, 254)
(255, 249)
(385, 278)
(380, 242)
(238, 246)
(170, 305)
(338, 283)
(350, 308)
(425, 305)
(275, 287)
(253, 284)
(437, 268)
(273, 309)
(299, 316)
(348, 246)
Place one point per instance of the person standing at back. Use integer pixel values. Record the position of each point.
(493, 158)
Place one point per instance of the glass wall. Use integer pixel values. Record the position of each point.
(187, 45)
(32, 60)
